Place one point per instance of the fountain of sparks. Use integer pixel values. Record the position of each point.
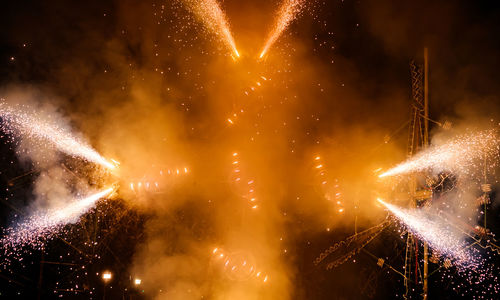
(16, 121)
(458, 155)
(288, 11)
(442, 237)
(213, 17)
(238, 266)
(43, 225)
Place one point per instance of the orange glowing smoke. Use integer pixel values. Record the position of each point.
(288, 11)
(211, 14)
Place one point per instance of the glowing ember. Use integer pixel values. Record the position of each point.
(106, 276)
(16, 121)
(44, 225)
(288, 12)
(211, 14)
(457, 155)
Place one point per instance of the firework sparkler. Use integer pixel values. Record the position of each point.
(17, 122)
(442, 237)
(44, 225)
(212, 15)
(289, 10)
(457, 155)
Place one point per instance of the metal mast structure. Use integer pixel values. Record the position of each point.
(418, 139)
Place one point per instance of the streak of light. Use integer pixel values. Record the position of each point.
(441, 237)
(18, 122)
(460, 154)
(287, 13)
(212, 15)
(46, 224)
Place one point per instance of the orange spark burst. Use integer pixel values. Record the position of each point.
(212, 15)
(287, 13)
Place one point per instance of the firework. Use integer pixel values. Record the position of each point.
(17, 122)
(155, 183)
(288, 12)
(238, 265)
(442, 237)
(46, 224)
(246, 185)
(458, 155)
(212, 16)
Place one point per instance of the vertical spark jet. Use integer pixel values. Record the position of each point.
(288, 11)
(213, 17)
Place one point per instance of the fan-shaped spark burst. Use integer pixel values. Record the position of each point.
(458, 155)
(45, 224)
(212, 15)
(288, 12)
(18, 122)
(442, 237)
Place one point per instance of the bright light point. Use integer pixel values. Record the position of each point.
(265, 279)
(106, 276)
(255, 206)
(341, 210)
(215, 250)
(230, 121)
(137, 281)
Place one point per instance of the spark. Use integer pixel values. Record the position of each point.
(288, 12)
(17, 122)
(46, 224)
(212, 15)
(441, 237)
(457, 155)
(238, 265)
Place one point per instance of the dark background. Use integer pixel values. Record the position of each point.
(54, 44)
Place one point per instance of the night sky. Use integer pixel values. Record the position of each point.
(146, 83)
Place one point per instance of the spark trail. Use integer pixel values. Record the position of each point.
(46, 224)
(16, 121)
(460, 154)
(212, 15)
(288, 11)
(442, 237)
